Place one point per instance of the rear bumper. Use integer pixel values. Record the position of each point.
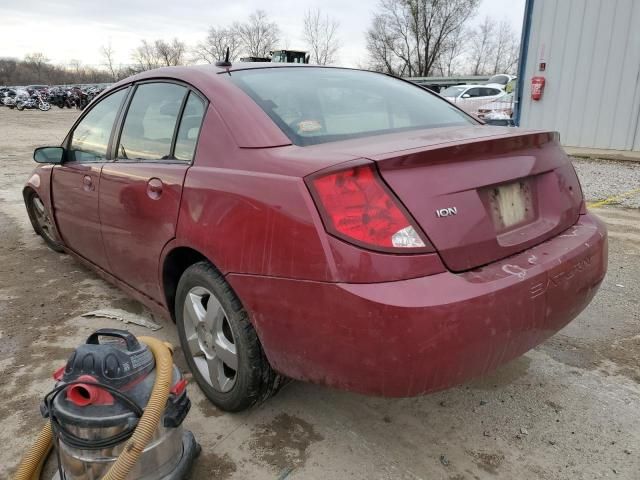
(414, 336)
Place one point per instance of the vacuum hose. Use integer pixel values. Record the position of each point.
(31, 464)
(33, 461)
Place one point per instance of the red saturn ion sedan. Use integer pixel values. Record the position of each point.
(323, 224)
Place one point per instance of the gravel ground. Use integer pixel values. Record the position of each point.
(602, 179)
(569, 409)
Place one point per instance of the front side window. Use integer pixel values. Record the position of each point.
(316, 105)
(90, 138)
(150, 123)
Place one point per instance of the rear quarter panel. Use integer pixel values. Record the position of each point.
(249, 212)
(245, 211)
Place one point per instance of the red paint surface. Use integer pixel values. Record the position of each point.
(326, 310)
(75, 191)
(415, 336)
(139, 210)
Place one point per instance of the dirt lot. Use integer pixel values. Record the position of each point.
(569, 409)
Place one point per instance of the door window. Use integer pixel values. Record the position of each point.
(473, 92)
(189, 128)
(150, 124)
(488, 92)
(90, 138)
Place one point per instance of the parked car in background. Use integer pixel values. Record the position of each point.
(471, 97)
(329, 225)
(500, 81)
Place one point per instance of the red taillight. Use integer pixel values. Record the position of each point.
(358, 207)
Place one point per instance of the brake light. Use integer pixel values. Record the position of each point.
(358, 207)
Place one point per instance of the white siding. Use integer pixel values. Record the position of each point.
(592, 91)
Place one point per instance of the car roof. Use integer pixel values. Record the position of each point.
(202, 76)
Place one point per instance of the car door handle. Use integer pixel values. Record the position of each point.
(154, 188)
(87, 183)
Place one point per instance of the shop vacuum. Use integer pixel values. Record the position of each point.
(116, 412)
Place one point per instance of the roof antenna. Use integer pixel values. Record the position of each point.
(225, 62)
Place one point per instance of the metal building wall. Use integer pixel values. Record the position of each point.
(592, 53)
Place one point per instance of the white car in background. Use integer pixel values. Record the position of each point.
(472, 97)
(500, 81)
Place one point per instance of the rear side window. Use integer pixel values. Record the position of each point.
(317, 105)
(151, 120)
(490, 91)
(90, 138)
(500, 79)
(189, 128)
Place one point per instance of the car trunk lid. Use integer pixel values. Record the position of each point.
(480, 193)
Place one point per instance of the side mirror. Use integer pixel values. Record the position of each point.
(466, 95)
(53, 155)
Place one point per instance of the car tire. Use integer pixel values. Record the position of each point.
(41, 222)
(203, 293)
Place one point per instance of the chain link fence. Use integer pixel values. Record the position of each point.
(494, 110)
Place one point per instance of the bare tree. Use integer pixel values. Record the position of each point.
(76, 66)
(506, 49)
(258, 35)
(380, 45)
(38, 62)
(107, 54)
(145, 56)
(17, 72)
(170, 54)
(158, 54)
(9, 71)
(482, 46)
(449, 61)
(215, 46)
(415, 32)
(320, 32)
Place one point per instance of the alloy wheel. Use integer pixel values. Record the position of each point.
(42, 218)
(210, 339)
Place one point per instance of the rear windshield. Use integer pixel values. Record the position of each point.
(318, 105)
(499, 79)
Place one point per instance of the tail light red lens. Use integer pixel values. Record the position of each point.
(359, 208)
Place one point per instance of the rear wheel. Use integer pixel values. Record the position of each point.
(220, 345)
(41, 221)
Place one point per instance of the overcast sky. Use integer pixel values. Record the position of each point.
(75, 29)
